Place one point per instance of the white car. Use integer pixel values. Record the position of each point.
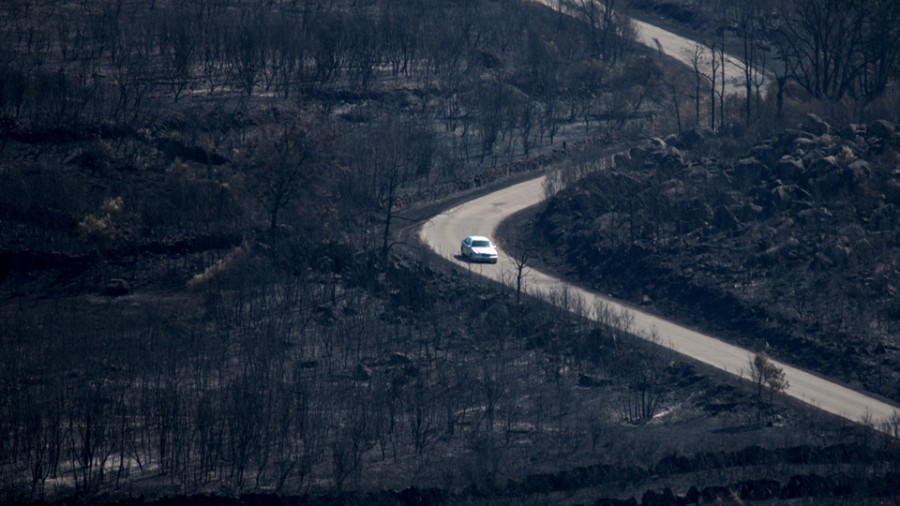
(478, 248)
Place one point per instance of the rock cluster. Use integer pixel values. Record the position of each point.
(789, 238)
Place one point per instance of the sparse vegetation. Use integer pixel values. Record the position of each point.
(206, 289)
(779, 242)
(765, 374)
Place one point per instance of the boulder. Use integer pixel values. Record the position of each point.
(784, 195)
(672, 158)
(789, 168)
(789, 137)
(816, 125)
(882, 129)
(748, 172)
(834, 180)
(852, 130)
(117, 287)
(657, 143)
(854, 232)
(691, 138)
(638, 154)
(765, 153)
(803, 145)
(622, 160)
(861, 170)
(810, 156)
(839, 252)
(825, 164)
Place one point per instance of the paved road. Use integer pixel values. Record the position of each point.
(444, 232)
(681, 49)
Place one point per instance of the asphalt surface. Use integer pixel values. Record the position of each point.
(482, 215)
(684, 50)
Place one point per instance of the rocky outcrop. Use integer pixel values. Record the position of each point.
(794, 230)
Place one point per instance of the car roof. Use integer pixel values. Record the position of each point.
(478, 238)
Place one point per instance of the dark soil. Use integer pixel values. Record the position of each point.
(170, 335)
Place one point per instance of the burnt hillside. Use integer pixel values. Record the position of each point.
(786, 243)
(204, 296)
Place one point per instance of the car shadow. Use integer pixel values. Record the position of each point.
(465, 259)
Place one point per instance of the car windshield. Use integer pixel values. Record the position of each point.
(481, 244)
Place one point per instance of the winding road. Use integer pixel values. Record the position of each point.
(483, 215)
(681, 49)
